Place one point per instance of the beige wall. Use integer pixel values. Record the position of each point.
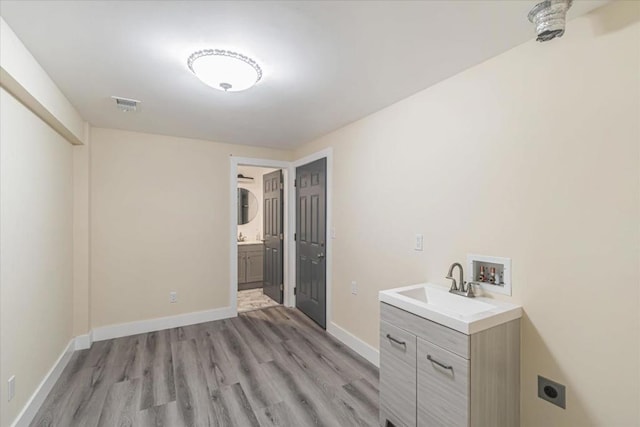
(20, 71)
(532, 155)
(81, 285)
(36, 214)
(159, 223)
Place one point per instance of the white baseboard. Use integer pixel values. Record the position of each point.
(32, 406)
(160, 323)
(83, 342)
(354, 343)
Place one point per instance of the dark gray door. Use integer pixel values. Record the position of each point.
(273, 237)
(311, 216)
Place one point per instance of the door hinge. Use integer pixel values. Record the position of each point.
(281, 236)
(282, 286)
(295, 237)
(295, 291)
(281, 186)
(295, 182)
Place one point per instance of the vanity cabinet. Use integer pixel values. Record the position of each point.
(434, 376)
(250, 262)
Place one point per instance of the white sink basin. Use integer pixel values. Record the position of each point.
(436, 303)
(445, 300)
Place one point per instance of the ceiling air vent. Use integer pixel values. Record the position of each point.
(126, 104)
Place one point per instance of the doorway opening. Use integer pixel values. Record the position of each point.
(260, 237)
(285, 291)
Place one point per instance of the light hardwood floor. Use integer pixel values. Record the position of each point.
(271, 367)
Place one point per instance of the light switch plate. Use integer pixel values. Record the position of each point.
(11, 391)
(419, 245)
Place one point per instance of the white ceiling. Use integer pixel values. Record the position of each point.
(325, 63)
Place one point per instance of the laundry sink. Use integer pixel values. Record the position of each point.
(436, 303)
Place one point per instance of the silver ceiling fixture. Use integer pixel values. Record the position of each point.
(224, 70)
(550, 17)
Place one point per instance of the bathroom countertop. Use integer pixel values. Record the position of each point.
(250, 242)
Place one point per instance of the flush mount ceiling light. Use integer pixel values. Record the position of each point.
(224, 70)
(550, 17)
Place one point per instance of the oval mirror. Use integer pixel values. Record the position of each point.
(247, 206)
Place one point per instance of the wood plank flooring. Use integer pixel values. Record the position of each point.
(271, 367)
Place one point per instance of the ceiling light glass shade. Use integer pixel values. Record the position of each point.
(224, 70)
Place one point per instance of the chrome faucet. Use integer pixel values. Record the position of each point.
(464, 291)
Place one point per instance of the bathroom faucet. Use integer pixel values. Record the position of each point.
(464, 291)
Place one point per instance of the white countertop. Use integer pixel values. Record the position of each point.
(435, 303)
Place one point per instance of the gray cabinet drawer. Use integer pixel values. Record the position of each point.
(397, 376)
(255, 266)
(443, 393)
(242, 268)
(446, 338)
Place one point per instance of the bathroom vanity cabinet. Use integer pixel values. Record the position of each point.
(434, 376)
(250, 262)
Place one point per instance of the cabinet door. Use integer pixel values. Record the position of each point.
(255, 266)
(397, 376)
(443, 387)
(242, 267)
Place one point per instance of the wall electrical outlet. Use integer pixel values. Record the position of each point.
(11, 391)
(419, 242)
(354, 288)
(552, 392)
(173, 297)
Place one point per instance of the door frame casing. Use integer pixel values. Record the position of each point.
(289, 268)
(233, 244)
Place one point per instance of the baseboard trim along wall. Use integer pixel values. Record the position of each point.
(32, 406)
(143, 326)
(83, 342)
(354, 343)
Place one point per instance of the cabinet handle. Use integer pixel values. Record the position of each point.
(396, 340)
(431, 359)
